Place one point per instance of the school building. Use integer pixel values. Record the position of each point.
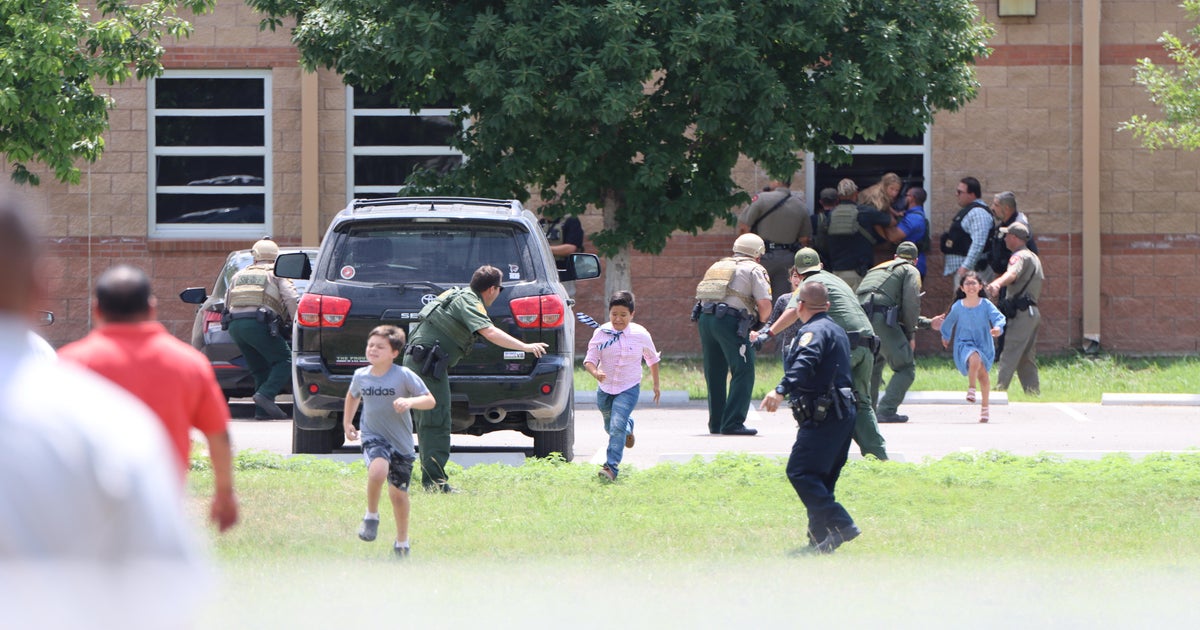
(234, 141)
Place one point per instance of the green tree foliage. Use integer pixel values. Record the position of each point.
(640, 107)
(52, 53)
(1175, 90)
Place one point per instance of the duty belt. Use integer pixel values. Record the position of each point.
(866, 340)
(771, 246)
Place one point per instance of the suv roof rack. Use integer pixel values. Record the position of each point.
(512, 205)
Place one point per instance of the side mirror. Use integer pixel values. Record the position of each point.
(194, 295)
(580, 267)
(44, 318)
(294, 265)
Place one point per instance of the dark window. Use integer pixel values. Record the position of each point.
(375, 131)
(210, 170)
(209, 209)
(385, 170)
(208, 131)
(435, 252)
(208, 93)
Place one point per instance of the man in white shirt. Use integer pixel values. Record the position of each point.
(92, 528)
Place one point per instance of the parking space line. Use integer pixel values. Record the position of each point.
(1074, 414)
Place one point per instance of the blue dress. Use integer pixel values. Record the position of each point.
(971, 328)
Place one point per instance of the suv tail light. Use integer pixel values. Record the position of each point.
(322, 311)
(212, 321)
(539, 311)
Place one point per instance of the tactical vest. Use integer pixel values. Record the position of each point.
(254, 286)
(554, 233)
(957, 240)
(715, 286)
(843, 221)
(462, 337)
(885, 287)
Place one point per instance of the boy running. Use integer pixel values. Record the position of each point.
(387, 391)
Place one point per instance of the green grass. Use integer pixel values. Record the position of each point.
(946, 543)
(989, 505)
(1065, 378)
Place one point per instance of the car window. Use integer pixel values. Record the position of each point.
(437, 252)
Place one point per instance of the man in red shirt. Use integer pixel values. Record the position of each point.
(132, 349)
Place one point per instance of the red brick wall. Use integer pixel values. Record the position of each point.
(1150, 296)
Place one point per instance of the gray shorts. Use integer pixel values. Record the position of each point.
(400, 466)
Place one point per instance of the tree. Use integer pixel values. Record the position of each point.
(642, 108)
(1176, 91)
(52, 53)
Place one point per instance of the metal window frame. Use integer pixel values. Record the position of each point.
(210, 231)
(353, 151)
(925, 150)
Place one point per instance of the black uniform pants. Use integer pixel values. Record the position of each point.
(814, 467)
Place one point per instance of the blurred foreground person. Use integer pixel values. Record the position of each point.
(93, 533)
(132, 349)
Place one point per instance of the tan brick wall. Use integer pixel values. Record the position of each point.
(1023, 134)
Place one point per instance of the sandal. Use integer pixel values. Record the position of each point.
(970, 394)
(983, 414)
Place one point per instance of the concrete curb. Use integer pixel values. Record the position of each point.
(679, 398)
(1174, 400)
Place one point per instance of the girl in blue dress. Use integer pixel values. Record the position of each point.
(973, 322)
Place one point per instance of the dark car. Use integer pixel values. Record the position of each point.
(383, 259)
(215, 343)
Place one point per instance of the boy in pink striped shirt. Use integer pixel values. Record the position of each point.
(620, 346)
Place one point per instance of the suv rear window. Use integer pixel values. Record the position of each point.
(439, 252)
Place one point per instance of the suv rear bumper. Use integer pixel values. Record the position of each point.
(478, 395)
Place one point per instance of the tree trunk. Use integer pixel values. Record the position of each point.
(617, 273)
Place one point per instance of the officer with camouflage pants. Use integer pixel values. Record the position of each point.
(846, 312)
(890, 294)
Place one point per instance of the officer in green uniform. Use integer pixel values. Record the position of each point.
(733, 297)
(258, 310)
(890, 294)
(845, 311)
(446, 332)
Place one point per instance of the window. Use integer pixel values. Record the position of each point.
(906, 156)
(385, 144)
(210, 158)
(417, 251)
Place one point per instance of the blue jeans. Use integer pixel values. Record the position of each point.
(616, 408)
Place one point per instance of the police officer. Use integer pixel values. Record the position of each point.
(1023, 277)
(733, 296)
(845, 311)
(816, 382)
(890, 294)
(780, 218)
(446, 332)
(565, 235)
(259, 310)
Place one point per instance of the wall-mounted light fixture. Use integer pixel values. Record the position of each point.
(1014, 8)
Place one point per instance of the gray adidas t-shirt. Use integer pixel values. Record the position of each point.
(379, 418)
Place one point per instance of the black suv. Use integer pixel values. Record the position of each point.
(381, 260)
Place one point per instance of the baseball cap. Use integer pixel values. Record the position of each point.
(829, 194)
(807, 259)
(907, 250)
(1017, 229)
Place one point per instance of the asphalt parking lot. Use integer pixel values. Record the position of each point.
(940, 425)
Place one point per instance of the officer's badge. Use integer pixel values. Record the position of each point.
(805, 338)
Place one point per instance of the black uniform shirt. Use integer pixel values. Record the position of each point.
(819, 356)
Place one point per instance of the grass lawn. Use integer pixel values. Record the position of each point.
(946, 543)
